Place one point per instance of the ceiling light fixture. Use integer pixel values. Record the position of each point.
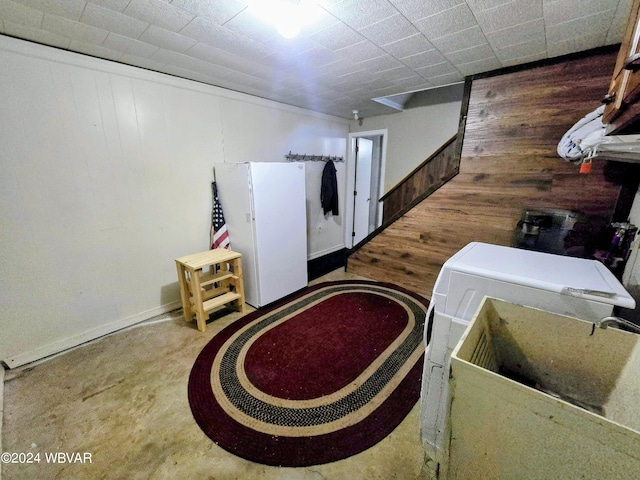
(287, 16)
(356, 116)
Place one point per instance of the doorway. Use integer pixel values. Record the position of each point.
(365, 184)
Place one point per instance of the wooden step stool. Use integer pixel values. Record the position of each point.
(204, 292)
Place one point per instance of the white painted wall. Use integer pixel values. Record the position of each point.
(105, 175)
(255, 133)
(414, 134)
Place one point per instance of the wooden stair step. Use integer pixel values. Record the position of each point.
(220, 300)
(216, 277)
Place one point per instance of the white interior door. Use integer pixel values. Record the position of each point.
(362, 191)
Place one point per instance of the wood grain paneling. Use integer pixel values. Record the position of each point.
(508, 163)
(426, 178)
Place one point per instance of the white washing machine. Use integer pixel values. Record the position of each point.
(571, 286)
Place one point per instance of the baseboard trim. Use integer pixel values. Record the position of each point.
(326, 251)
(326, 263)
(86, 336)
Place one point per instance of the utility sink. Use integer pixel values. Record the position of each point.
(541, 395)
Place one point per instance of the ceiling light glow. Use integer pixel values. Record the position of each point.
(287, 16)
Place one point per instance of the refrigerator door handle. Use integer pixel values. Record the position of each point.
(251, 203)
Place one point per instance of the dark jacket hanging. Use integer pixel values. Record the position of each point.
(329, 189)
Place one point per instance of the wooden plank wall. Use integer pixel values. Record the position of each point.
(422, 181)
(509, 163)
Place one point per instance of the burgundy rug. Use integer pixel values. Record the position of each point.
(317, 378)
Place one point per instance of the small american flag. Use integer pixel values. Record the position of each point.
(219, 233)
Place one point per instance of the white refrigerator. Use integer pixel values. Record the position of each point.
(570, 286)
(264, 206)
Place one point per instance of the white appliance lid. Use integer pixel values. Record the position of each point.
(569, 275)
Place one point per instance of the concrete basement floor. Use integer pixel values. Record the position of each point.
(122, 400)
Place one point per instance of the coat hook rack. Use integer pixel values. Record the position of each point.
(299, 157)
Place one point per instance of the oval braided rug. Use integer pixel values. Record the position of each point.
(318, 378)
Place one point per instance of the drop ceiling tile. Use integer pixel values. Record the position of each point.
(423, 59)
(113, 21)
(73, 30)
(556, 12)
(317, 57)
(117, 5)
(375, 84)
(157, 12)
(351, 89)
(446, 79)
(479, 52)
(413, 83)
(525, 32)
(595, 25)
(247, 24)
(360, 13)
(417, 9)
(241, 78)
(273, 76)
(359, 52)
(449, 21)
(624, 8)
(385, 62)
(293, 47)
(577, 44)
(223, 38)
(292, 84)
(214, 11)
(619, 22)
(344, 84)
(438, 70)
(281, 62)
(357, 77)
(326, 96)
(322, 20)
(479, 5)
(459, 40)
(337, 36)
(189, 63)
(479, 66)
(533, 57)
(210, 54)
(273, 72)
(264, 84)
(533, 47)
(94, 50)
(381, 50)
(408, 46)
(397, 73)
(71, 9)
(167, 39)
(327, 3)
(35, 34)
(335, 70)
(281, 88)
(508, 15)
(19, 14)
(129, 45)
(177, 71)
(293, 66)
(383, 92)
(389, 30)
